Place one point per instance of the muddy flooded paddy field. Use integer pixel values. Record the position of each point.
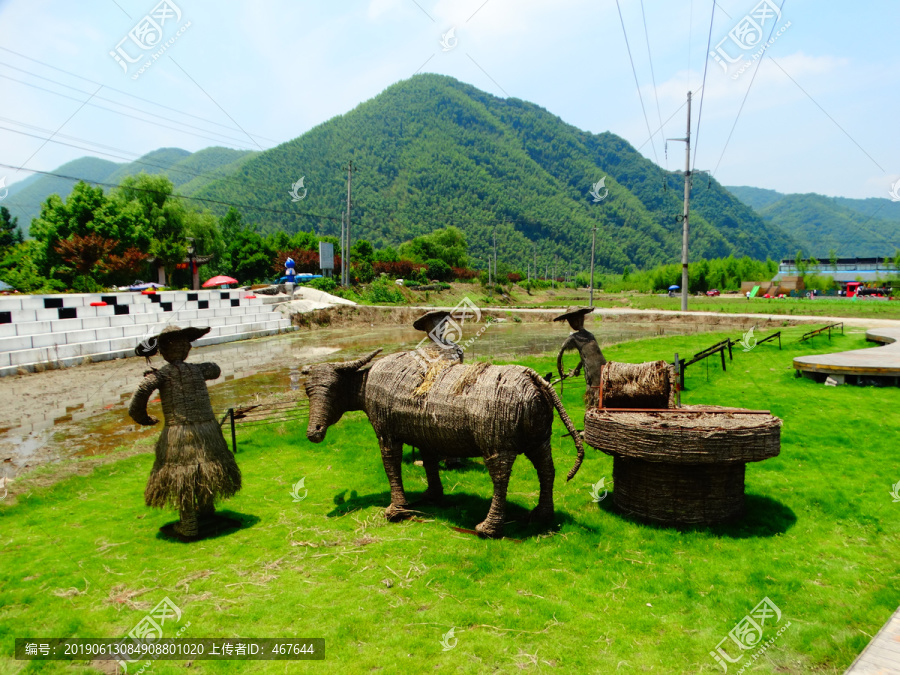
(83, 411)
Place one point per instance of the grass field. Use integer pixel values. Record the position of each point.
(561, 297)
(598, 593)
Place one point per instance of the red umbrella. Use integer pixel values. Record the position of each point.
(219, 281)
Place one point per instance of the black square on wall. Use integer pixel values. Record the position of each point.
(154, 298)
(235, 303)
(203, 304)
(52, 303)
(192, 297)
(224, 296)
(109, 299)
(166, 306)
(5, 317)
(67, 312)
(121, 309)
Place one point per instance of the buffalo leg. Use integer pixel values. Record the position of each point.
(435, 491)
(543, 464)
(500, 468)
(392, 456)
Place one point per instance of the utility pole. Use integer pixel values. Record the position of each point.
(495, 253)
(687, 206)
(343, 248)
(593, 245)
(347, 268)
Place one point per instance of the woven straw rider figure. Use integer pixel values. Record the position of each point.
(590, 356)
(438, 323)
(193, 466)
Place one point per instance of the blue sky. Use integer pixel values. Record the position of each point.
(821, 115)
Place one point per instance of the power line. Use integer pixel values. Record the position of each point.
(747, 93)
(242, 183)
(703, 86)
(115, 112)
(103, 98)
(668, 119)
(636, 83)
(61, 126)
(176, 196)
(652, 74)
(125, 93)
(225, 112)
(826, 113)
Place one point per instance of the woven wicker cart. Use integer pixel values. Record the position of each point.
(682, 466)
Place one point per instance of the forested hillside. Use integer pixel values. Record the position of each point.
(432, 151)
(820, 224)
(25, 197)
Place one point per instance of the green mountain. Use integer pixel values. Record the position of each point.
(26, 196)
(182, 167)
(819, 224)
(432, 151)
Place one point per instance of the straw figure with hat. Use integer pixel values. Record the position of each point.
(436, 323)
(193, 466)
(441, 353)
(590, 356)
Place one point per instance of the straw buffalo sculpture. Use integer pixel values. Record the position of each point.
(446, 409)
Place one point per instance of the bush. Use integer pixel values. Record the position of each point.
(326, 284)
(362, 271)
(438, 269)
(401, 269)
(514, 277)
(383, 290)
(304, 261)
(463, 273)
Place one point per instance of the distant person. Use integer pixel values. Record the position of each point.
(590, 356)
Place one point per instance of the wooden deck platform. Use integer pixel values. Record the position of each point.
(882, 655)
(883, 361)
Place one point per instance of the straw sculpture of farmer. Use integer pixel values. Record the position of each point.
(441, 352)
(436, 323)
(193, 466)
(590, 356)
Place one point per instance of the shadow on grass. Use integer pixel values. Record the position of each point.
(764, 517)
(460, 510)
(465, 465)
(225, 522)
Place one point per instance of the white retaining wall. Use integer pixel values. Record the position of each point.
(54, 331)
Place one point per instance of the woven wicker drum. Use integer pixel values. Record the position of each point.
(682, 466)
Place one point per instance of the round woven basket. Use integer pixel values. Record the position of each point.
(685, 466)
(720, 435)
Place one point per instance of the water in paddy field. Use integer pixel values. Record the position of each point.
(82, 411)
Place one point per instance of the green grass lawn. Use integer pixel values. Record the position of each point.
(560, 297)
(599, 593)
(869, 308)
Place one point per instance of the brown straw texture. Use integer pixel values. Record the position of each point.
(637, 385)
(447, 410)
(689, 438)
(682, 468)
(678, 494)
(193, 466)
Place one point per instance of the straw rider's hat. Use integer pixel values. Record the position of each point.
(169, 334)
(430, 320)
(572, 313)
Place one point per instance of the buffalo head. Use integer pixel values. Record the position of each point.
(333, 389)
